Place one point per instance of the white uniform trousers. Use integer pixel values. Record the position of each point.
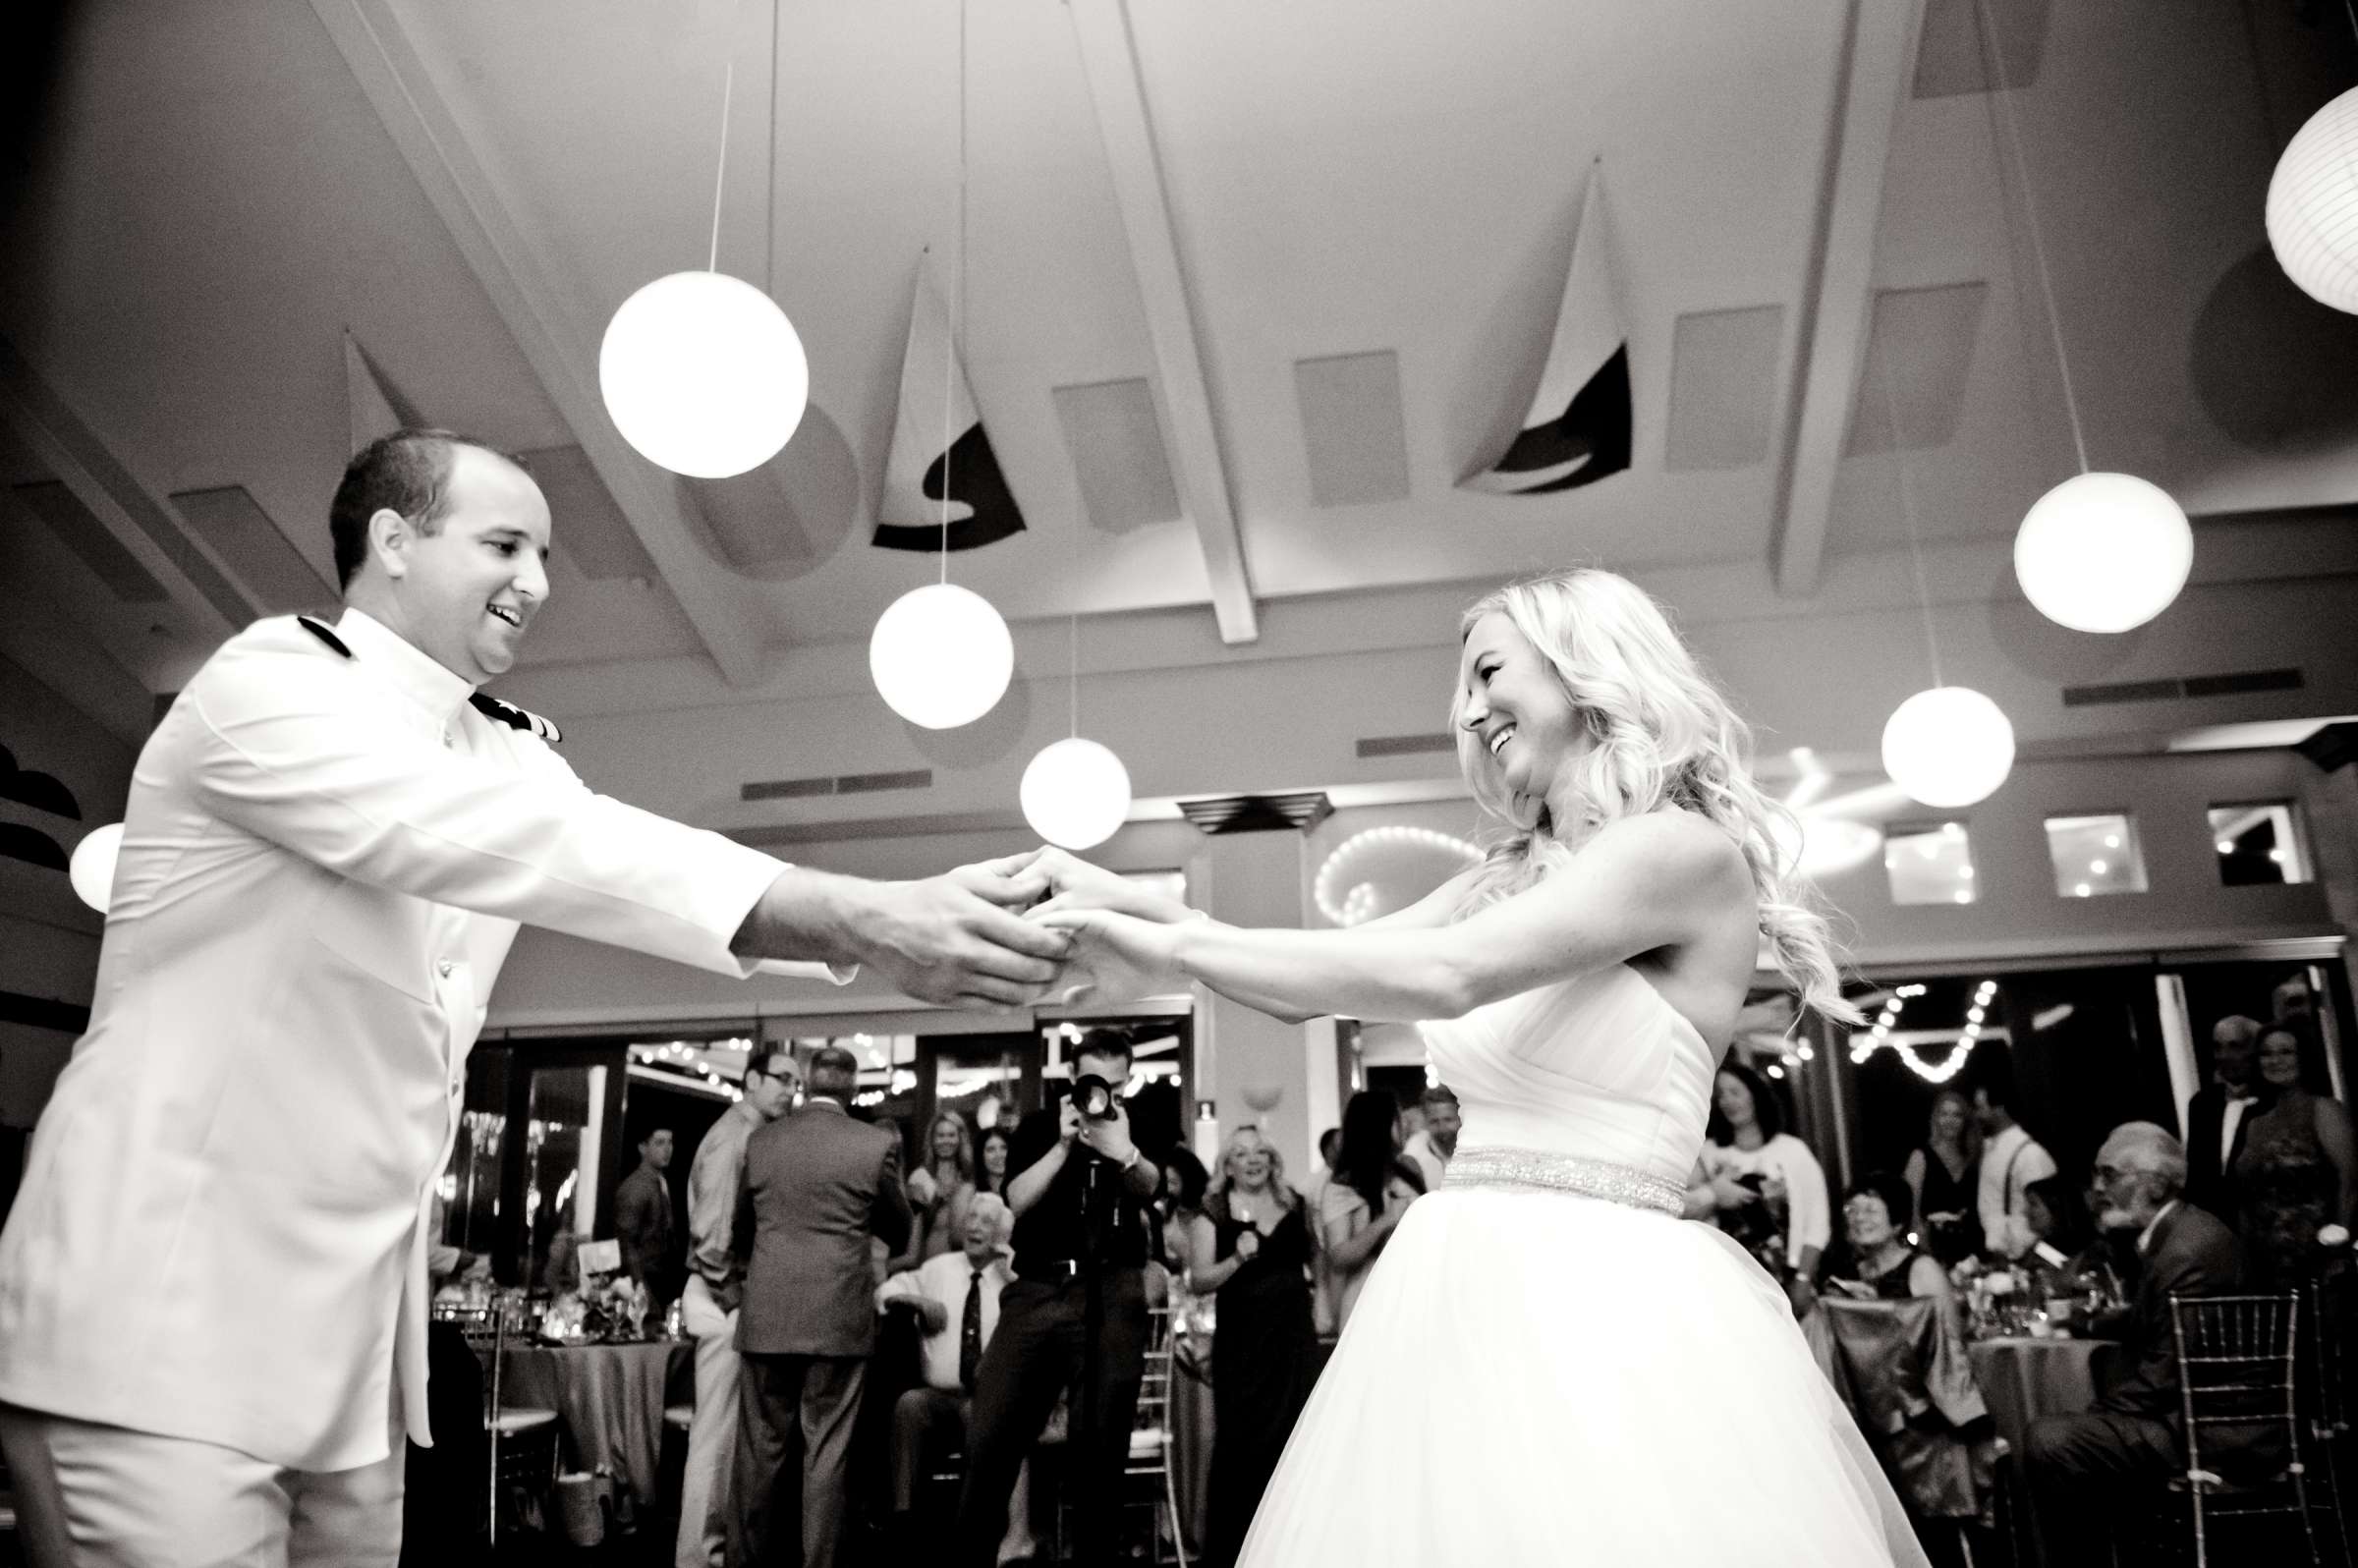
(712, 1437)
(92, 1496)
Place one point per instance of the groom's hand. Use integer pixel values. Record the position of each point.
(1012, 881)
(955, 938)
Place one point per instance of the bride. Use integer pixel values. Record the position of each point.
(1548, 1364)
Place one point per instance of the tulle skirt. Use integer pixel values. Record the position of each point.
(1533, 1377)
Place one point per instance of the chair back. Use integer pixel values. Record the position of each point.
(1155, 1384)
(2236, 1362)
(2332, 1300)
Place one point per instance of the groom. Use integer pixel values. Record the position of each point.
(330, 841)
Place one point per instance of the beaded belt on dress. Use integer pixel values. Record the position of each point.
(1537, 1169)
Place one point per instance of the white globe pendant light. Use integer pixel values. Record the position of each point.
(92, 867)
(1949, 746)
(704, 374)
(2104, 552)
(941, 656)
(2311, 203)
(1074, 794)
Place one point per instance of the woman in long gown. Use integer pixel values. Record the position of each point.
(2298, 1169)
(1252, 1249)
(1548, 1366)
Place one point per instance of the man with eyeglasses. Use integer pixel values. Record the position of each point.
(2133, 1434)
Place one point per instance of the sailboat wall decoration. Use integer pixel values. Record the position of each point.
(1577, 430)
(911, 514)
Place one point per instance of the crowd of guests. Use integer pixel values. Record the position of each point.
(1018, 1261)
(830, 1237)
(2250, 1198)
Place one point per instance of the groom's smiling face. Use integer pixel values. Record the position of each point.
(468, 584)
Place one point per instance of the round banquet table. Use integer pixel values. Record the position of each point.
(2022, 1379)
(609, 1400)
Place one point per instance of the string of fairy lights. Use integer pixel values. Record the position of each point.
(1882, 1034)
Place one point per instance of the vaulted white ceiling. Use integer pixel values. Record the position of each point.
(1821, 220)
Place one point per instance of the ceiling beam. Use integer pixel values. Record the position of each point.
(1871, 82)
(1109, 58)
(556, 334)
(76, 457)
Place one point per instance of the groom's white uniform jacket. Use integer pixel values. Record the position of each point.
(220, 1234)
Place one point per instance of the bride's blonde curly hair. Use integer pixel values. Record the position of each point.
(1660, 734)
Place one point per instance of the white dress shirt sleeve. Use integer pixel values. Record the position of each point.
(289, 753)
(2035, 1165)
(1809, 1213)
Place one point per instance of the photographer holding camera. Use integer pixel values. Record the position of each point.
(1075, 1316)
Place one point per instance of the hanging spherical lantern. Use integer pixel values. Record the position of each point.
(2104, 552)
(1949, 746)
(941, 656)
(2311, 203)
(1075, 793)
(704, 374)
(93, 867)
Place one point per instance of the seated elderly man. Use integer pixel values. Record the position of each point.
(956, 1299)
(2132, 1437)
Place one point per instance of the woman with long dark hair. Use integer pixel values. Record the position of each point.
(1356, 1216)
(991, 1162)
(1766, 1188)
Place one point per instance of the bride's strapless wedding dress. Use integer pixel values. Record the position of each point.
(1547, 1365)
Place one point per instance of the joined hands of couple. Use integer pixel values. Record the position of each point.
(1013, 933)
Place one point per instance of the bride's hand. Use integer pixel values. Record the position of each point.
(1074, 884)
(1116, 957)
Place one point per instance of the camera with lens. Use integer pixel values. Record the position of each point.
(1095, 1099)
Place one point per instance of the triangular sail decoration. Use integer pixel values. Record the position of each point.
(912, 515)
(1578, 428)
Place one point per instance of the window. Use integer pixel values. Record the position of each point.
(1929, 863)
(2095, 855)
(2260, 842)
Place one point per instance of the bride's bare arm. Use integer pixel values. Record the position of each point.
(1641, 884)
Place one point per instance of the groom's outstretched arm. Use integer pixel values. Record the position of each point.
(953, 938)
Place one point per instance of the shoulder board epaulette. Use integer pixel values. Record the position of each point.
(319, 630)
(516, 718)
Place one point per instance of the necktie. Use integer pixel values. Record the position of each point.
(970, 1335)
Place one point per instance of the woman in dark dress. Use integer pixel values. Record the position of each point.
(2298, 1170)
(1945, 1178)
(1252, 1247)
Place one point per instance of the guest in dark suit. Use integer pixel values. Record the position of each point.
(643, 1219)
(818, 1190)
(2133, 1436)
(2218, 1116)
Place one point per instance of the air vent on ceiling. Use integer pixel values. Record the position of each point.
(2230, 684)
(82, 533)
(1723, 387)
(1403, 745)
(1352, 428)
(1115, 442)
(1258, 813)
(1919, 355)
(794, 789)
(1951, 60)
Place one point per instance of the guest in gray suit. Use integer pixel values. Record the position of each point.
(818, 1188)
